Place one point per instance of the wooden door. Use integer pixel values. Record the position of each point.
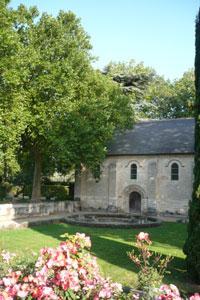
(135, 202)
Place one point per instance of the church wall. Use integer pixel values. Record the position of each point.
(173, 196)
(158, 192)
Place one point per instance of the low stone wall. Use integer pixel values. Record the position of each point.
(26, 210)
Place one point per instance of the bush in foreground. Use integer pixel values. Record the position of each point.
(70, 272)
(66, 272)
(152, 267)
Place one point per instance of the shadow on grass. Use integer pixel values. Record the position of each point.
(115, 251)
(106, 249)
(166, 234)
(171, 234)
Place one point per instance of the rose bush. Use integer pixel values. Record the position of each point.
(66, 272)
(71, 272)
(167, 292)
(152, 267)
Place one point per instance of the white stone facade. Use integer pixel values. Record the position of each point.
(154, 186)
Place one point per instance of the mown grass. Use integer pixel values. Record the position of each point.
(110, 246)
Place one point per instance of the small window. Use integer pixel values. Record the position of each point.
(133, 171)
(174, 171)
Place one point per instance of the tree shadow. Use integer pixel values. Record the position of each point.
(107, 248)
(166, 234)
(114, 252)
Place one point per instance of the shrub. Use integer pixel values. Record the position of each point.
(70, 272)
(59, 192)
(5, 188)
(67, 272)
(8, 261)
(152, 267)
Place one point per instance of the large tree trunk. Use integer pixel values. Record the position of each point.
(36, 189)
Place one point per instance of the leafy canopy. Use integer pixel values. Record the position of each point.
(153, 96)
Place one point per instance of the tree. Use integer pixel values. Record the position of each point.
(184, 95)
(134, 80)
(192, 245)
(73, 110)
(171, 99)
(12, 106)
(133, 77)
(153, 96)
(158, 97)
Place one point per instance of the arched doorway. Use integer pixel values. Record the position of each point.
(135, 202)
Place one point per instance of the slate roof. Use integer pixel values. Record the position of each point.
(167, 136)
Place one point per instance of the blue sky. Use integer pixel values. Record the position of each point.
(158, 32)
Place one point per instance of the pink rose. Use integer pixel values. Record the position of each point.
(169, 292)
(143, 236)
(22, 294)
(196, 296)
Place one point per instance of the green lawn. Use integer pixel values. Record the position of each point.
(110, 246)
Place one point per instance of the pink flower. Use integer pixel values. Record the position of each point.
(196, 296)
(7, 256)
(5, 296)
(83, 240)
(117, 286)
(68, 266)
(48, 293)
(174, 289)
(105, 293)
(143, 236)
(169, 292)
(22, 294)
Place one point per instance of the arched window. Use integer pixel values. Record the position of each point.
(174, 171)
(133, 171)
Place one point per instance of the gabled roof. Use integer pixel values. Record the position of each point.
(167, 136)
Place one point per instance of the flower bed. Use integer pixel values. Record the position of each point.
(71, 272)
(66, 272)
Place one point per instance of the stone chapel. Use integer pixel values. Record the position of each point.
(148, 169)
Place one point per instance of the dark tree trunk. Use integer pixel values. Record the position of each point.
(5, 170)
(5, 165)
(36, 189)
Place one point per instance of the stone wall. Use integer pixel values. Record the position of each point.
(26, 210)
(158, 192)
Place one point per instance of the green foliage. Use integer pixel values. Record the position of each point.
(150, 279)
(153, 96)
(59, 192)
(134, 80)
(11, 261)
(132, 77)
(13, 114)
(5, 188)
(171, 99)
(55, 110)
(185, 94)
(192, 245)
(110, 247)
(152, 266)
(72, 109)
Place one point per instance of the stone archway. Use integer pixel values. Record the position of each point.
(135, 202)
(135, 199)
